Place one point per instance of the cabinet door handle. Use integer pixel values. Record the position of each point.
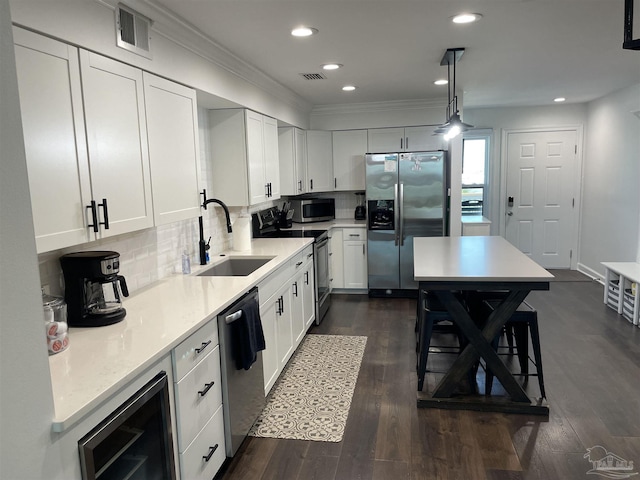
(212, 450)
(207, 387)
(401, 142)
(105, 213)
(335, 182)
(266, 190)
(406, 143)
(295, 285)
(306, 278)
(203, 346)
(94, 216)
(311, 183)
(280, 306)
(299, 185)
(363, 248)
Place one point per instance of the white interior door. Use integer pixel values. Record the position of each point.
(540, 195)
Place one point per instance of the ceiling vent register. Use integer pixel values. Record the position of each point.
(313, 76)
(133, 31)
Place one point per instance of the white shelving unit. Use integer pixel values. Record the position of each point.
(621, 291)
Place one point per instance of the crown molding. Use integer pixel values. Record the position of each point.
(370, 107)
(177, 30)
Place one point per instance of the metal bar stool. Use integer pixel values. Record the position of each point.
(523, 321)
(431, 316)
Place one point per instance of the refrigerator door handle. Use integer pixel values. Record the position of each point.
(401, 221)
(396, 214)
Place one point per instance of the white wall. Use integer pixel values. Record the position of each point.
(500, 119)
(611, 201)
(398, 114)
(178, 54)
(26, 405)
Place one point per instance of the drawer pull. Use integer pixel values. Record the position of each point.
(354, 234)
(203, 346)
(309, 255)
(212, 450)
(298, 264)
(207, 387)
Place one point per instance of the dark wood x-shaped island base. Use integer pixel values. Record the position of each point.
(444, 265)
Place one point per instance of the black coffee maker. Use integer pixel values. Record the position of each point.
(93, 288)
(361, 210)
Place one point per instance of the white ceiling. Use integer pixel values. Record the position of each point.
(522, 52)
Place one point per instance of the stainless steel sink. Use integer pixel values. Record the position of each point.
(235, 267)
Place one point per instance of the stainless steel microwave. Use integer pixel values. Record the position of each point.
(313, 209)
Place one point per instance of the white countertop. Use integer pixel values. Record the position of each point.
(335, 223)
(630, 270)
(101, 360)
(475, 219)
(473, 259)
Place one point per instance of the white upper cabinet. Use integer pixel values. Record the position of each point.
(113, 97)
(83, 186)
(407, 139)
(55, 144)
(172, 127)
(244, 151)
(349, 148)
(292, 148)
(319, 161)
(271, 156)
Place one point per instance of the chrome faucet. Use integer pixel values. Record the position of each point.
(202, 246)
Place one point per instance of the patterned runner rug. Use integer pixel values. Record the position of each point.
(311, 399)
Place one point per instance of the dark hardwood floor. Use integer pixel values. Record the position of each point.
(592, 377)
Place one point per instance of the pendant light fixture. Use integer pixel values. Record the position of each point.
(453, 125)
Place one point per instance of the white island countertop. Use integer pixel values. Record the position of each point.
(102, 360)
(457, 259)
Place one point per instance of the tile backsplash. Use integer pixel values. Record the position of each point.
(147, 256)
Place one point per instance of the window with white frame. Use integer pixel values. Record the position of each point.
(475, 162)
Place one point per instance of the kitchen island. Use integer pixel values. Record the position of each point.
(446, 265)
(102, 361)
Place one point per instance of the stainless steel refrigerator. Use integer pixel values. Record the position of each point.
(407, 196)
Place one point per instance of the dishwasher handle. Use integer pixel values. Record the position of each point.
(237, 314)
(233, 317)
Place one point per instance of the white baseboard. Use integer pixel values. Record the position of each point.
(590, 273)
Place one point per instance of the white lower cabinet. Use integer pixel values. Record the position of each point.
(354, 249)
(198, 401)
(287, 309)
(348, 258)
(203, 458)
(336, 258)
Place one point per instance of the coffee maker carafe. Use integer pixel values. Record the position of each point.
(93, 288)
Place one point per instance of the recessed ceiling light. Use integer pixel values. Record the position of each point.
(348, 88)
(303, 31)
(466, 18)
(559, 99)
(331, 66)
(441, 82)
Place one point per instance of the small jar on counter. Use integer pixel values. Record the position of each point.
(55, 322)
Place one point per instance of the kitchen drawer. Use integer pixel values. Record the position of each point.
(349, 234)
(297, 262)
(193, 462)
(196, 402)
(269, 286)
(187, 355)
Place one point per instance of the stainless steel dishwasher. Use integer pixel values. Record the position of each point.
(242, 390)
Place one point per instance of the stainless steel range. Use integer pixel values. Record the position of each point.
(266, 224)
